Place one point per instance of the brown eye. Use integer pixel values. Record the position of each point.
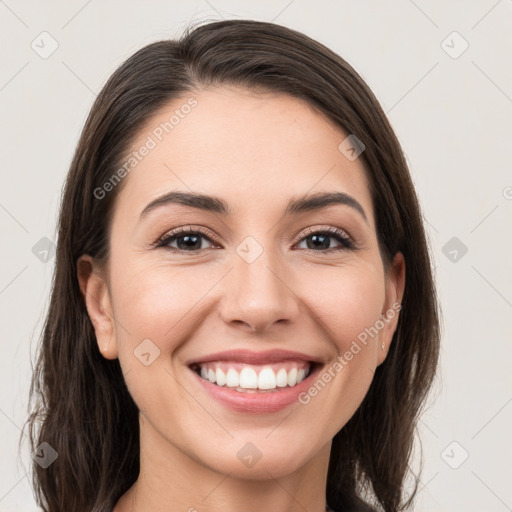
(320, 240)
(187, 240)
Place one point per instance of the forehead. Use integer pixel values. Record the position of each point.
(248, 147)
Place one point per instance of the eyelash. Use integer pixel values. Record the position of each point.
(346, 243)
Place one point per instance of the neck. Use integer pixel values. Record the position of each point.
(170, 480)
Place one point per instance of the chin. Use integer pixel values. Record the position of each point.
(257, 460)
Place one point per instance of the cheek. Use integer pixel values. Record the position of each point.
(347, 300)
(157, 302)
(152, 301)
(154, 308)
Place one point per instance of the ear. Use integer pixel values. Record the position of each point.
(395, 285)
(94, 288)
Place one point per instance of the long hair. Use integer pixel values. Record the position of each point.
(79, 403)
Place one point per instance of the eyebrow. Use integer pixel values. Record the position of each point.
(305, 203)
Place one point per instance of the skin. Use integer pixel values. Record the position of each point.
(256, 151)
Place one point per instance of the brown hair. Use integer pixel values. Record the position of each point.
(79, 399)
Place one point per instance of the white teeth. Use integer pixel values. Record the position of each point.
(248, 378)
(266, 379)
(282, 378)
(220, 377)
(292, 377)
(232, 378)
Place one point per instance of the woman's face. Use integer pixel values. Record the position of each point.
(256, 297)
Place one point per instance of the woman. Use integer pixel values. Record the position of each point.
(243, 314)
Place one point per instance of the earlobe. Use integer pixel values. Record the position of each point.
(395, 286)
(97, 301)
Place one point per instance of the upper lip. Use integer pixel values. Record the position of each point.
(252, 357)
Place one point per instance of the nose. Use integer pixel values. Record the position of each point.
(259, 294)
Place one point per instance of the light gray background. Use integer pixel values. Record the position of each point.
(452, 116)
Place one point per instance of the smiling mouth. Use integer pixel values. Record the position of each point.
(253, 378)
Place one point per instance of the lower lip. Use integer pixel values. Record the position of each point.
(258, 403)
